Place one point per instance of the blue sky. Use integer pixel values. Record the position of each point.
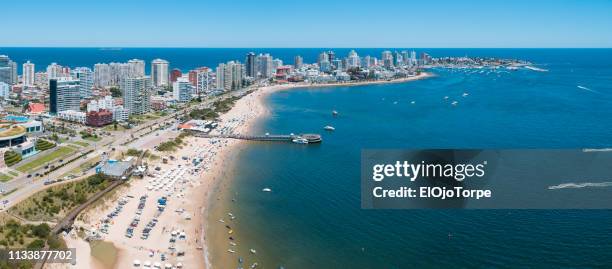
(308, 23)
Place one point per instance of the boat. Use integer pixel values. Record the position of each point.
(266, 190)
(231, 250)
(300, 140)
(232, 243)
(253, 251)
(335, 113)
(454, 103)
(413, 102)
(533, 68)
(240, 260)
(254, 265)
(329, 128)
(445, 97)
(465, 94)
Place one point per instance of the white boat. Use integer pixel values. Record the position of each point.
(231, 250)
(465, 94)
(445, 97)
(454, 103)
(253, 251)
(254, 265)
(329, 128)
(300, 140)
(413, 102)
(533, 68)
(266, 190)
(334, 113)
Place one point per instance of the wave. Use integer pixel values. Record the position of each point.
(597, 150)
(586, 89)
(581, 185)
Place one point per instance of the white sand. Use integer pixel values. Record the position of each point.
(189, 192)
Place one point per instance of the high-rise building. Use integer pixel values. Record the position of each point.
(5, 90)
(136, 94)
(263, 66)
(136, 67)
(322, 57)
(64, 94)
(182, 90)
(55, 70)
(387, 59)
(204, 81)
(86, 80)
(398, 59)
(276, 63)
(102, 75)
(251, 70)
(229, 76)
(159, 73)
(353, 60)
(41, 79)
(118, 71)
(175, 74)
(413, 58)
(298, 61)
(28, 74)
(8, 70)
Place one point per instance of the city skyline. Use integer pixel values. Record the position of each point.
(275, 24)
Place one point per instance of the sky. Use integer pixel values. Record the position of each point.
(307, 23)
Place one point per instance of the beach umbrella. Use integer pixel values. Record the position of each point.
(168, 266)
(179, 265)
(136, 263)
(157, 265)
(147, 263)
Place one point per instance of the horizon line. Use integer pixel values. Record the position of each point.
(341, 47)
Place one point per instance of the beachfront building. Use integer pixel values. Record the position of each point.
(28, 74)
(229, 76)
(72, 116)
(298, 61)
(120, 114)
(387, 59)
(5, 90)
(64, 94)
(102, 75)
(136, 94)
(86, 80)
(264, 66)
(8, 70)
(136, 68)
(182, 90)
(204, 81)
(251, 70)
(353, 60)
(99, 118)
(159, 72)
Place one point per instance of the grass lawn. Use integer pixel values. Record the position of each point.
(111, 128)
(4, 177)
(94, 139)
(80, 143)
(13, 173)
(61, 152)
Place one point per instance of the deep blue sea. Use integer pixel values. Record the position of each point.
(313, 219)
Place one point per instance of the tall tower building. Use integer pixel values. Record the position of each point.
(250, 65)
(264, 65)
(387, 59)
(102, 75)
(229, 76)
(298, 61)
(159, 73)
(136, 68)
(64, 94)
(28, 74)
(7, 72)
(136, 94)
(86, 80)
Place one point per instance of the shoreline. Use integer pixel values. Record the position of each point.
(260, 95)
(195, 192)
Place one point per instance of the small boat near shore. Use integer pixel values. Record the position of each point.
(253, 251)
(335, 113)
(329, 128)
(266, 190)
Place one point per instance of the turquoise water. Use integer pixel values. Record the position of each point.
(16, 118)
(312, 218)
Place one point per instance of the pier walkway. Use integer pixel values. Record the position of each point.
(312, 138)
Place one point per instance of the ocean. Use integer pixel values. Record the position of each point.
(312, 218)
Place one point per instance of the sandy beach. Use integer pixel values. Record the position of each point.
(177, 236)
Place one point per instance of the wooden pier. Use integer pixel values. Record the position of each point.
(312, 138)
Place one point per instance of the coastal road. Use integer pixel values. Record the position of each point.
(24, 187)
